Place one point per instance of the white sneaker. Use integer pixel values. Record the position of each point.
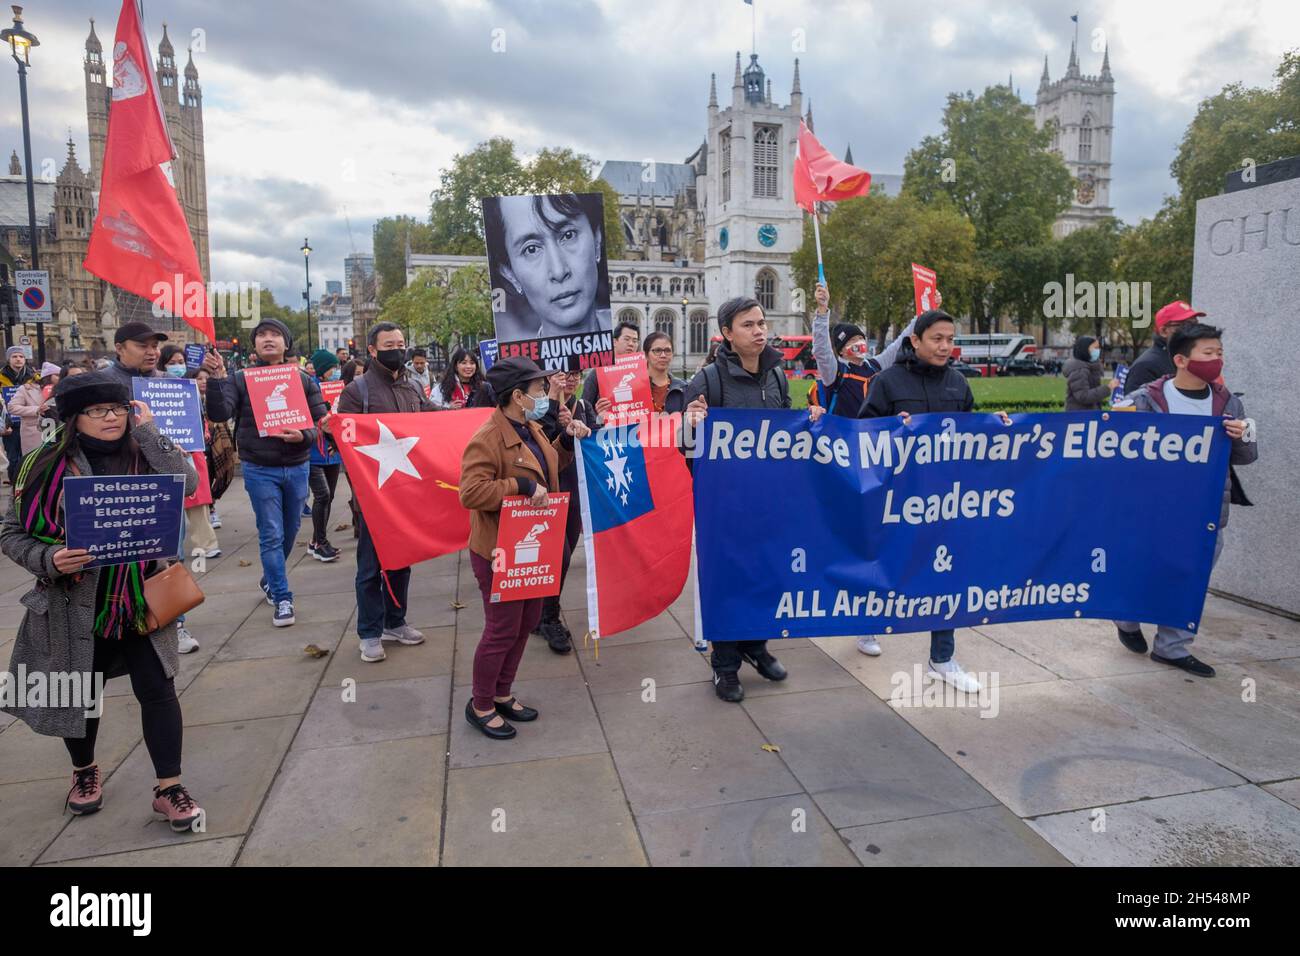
(372, 649)
(214, 519)
(951, 672)
(868, 645)
(185, 642)
(214, 553)
(403, 635)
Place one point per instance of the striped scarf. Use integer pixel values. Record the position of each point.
(39, 502)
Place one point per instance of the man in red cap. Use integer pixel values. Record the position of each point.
(1155, 362)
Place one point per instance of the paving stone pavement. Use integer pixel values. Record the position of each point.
(1086, 755)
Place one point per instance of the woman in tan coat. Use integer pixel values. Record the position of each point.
(509, 455)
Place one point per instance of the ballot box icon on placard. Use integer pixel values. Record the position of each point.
(276, 402)
(623, 390)
(528, 548)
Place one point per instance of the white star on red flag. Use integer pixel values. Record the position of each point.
(392, 453)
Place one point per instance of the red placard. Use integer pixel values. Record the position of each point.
(277, 397)
(626, 383)
(530, 549)
(330, 391)
(924, 283)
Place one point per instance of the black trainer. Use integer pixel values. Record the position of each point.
(767, 665)
(1188, 663)
(728, 687)
(557, 637)
(1133, 640)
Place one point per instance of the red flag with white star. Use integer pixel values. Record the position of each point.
(405, 469)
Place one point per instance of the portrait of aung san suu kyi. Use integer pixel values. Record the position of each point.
(547, 260)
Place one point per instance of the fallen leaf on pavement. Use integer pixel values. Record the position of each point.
(311, 650)
(243, 563)
(457, 605)
(772, 748)
(343, 527)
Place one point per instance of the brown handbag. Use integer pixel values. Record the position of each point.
(169, 594)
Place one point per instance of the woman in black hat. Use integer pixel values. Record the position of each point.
(103, 432)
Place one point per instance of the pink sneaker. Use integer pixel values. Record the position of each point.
(177, 806)
(87, 793)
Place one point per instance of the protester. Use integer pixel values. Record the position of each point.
(459, 383)
(1196, 350)
(1084, 389)
(627, 339)
(921, 380)
(71, 603)
(844, 367)
(326, 463)
(14, 373)
(351, 369)
(275, 465)
(562, 407)
(667, 393)
(343, 355)
(28, 404)
(219, 449)
(747, 373)
(508, 455)
(381, 593)
(417, 370)
(171, 361)
(138, 350)
(1155, 362)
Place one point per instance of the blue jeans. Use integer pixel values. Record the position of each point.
(376, 609)
(942, 644)
(277, 495)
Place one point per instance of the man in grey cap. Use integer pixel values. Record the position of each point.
(137, 348)
(275, 465)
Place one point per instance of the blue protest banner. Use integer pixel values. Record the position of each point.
(487, 350)
(194, 354)
(124, 518)
(9, 391)
(870, 526)
(175, 406)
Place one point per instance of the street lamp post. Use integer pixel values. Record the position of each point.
(686, 333)
(306, 263)
(20, 41)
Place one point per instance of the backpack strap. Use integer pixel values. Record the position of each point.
(713, 393)
(364, 388)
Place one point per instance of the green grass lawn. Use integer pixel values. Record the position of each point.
(1014, 393)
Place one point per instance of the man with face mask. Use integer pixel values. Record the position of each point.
(844, 366)
(386, 386)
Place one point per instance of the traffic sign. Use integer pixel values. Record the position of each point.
(33, 295)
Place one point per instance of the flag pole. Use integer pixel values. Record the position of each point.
(817, 236)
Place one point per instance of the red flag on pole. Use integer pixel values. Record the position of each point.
(820, 177)
(140, 238)
(405, 470)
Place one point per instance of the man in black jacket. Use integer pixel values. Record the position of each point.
(920, 381)
(747, 373)
(385, 387)
(1155, 362)
(138, 347)
(275, 465)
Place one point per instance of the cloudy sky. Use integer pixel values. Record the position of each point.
(319, 111)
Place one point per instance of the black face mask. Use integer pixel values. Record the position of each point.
(391, 359)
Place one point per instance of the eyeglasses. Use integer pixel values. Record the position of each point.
(661, 351)
(103, 411)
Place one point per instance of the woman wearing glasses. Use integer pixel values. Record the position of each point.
(666, 391)
(81, 620)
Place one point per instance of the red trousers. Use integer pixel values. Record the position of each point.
(505, 635)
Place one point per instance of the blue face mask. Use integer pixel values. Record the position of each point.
(1094, 354)
(541, 405)
(334, 373)
(176, 371)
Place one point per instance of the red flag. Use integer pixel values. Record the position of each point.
(820, 177)
(637, 515)
(405, 470)
(140, 238)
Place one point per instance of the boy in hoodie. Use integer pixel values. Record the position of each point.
(844, 367)
(1194, 389)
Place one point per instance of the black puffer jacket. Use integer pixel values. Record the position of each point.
(229, 399)
(916, 387)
